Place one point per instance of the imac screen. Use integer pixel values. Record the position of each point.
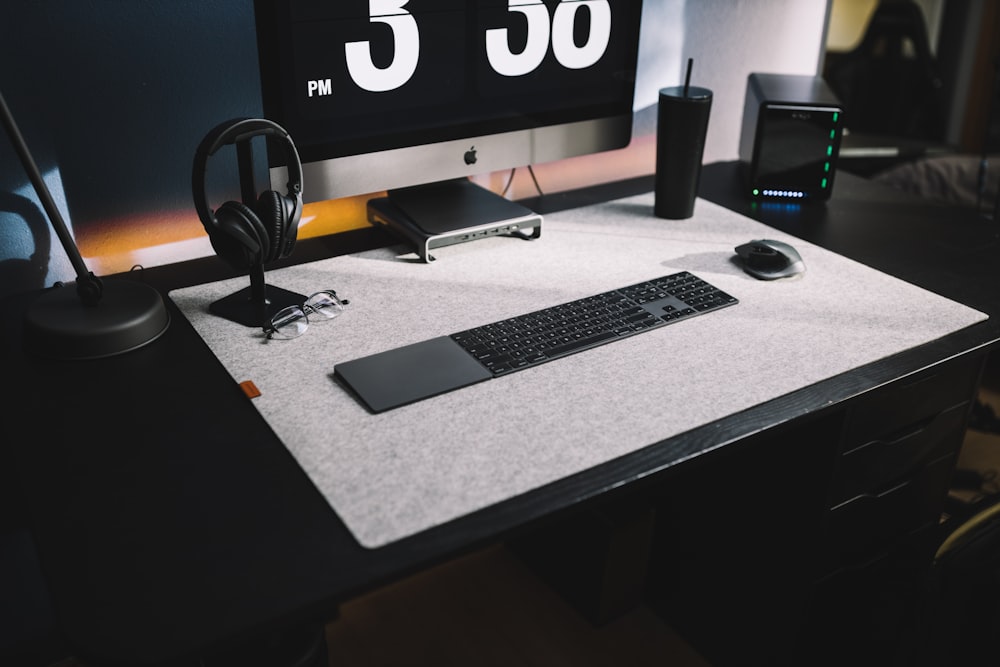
(384, 94)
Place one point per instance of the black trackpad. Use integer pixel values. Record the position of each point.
(410, 373)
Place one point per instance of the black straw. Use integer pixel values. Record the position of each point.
(687, 79)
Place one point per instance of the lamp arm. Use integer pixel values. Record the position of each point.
(88, 286)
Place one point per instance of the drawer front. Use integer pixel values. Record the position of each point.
(870, 523)
(883, 463)
(893, 408)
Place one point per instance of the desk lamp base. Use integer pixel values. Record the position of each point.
(58, 325)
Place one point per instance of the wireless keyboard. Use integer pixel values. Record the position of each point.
(551, 333)
(421, 370)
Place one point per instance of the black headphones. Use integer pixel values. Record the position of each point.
(246, 236)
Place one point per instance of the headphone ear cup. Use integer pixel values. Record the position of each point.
(239, 236)
(292, 207)
(284, 211)
(272, 214)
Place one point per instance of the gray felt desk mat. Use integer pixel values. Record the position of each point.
(394, 474)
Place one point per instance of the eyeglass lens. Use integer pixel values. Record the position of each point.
(293, 321)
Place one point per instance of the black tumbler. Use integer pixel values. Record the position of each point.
(682, 122)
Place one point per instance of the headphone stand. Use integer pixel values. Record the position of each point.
(253, 306)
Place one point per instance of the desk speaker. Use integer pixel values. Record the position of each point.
(792, 126)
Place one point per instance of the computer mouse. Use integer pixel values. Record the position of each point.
(768, 259)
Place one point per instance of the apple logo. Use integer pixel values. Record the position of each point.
(470, 156)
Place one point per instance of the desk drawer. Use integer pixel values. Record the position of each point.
(870, 523)
(883, 462)
(892, 408)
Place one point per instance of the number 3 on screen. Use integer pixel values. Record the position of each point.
(406, 39)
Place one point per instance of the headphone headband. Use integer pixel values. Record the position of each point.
(237, 132)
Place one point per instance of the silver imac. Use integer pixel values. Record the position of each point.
(411, 97)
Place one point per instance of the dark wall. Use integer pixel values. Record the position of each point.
(113, 97)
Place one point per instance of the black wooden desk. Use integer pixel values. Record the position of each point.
(172, 523)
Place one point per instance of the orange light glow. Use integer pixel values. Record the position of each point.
(166, 237)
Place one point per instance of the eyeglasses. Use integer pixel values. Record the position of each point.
(292, 322)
